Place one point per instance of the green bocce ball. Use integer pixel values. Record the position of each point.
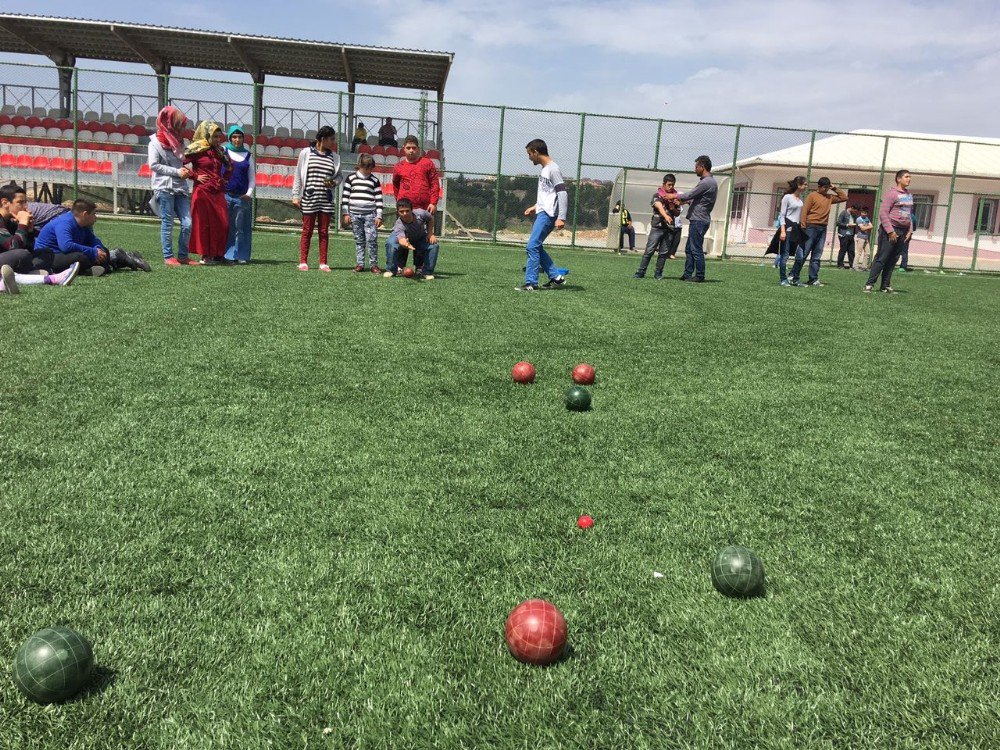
(578, 398)
(53, 665)
(738, 572)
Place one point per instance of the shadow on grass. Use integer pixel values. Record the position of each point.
(101, 679)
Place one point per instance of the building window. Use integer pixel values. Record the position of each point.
(776, 196)
(739, 207)
(986, 215)
(923, 209)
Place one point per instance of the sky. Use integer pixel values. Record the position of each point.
(913, 65)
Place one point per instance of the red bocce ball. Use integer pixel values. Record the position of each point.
(536, 632)
(408, 272)
(523, 372)
(583, 374)
(585, 522)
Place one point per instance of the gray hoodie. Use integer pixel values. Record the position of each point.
(165, 166)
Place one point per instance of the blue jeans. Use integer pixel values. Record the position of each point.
(812, 248)
(537, 257)
(785, 249)
(694, 251)
(365, 237)
(240, 228)
(171, 205)
(423, 252)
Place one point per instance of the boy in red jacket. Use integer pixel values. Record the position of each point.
(415, 178)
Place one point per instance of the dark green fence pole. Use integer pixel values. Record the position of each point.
(579, 175)
(659, 134)
(979, 230)
(496, 191)
(732, 191)
(951, 199)
(809, 166)
(76, 133)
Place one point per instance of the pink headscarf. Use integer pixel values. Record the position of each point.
(166, 132)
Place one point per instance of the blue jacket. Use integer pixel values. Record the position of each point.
(64, 235)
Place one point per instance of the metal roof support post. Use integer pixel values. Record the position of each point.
(257, 116)
(579, 175)
(440, 143)
(496, 189)
(163, 87)
(66, 89)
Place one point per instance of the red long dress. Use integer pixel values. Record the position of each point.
(209, 213)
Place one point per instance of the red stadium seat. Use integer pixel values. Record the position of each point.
(48, 122)
(40, 162)
(4, 119)
(263, 140)
(391, 151)
(18, 120)
(433, 154)
(23, 162)
(364, 148)
(88, 166)
(33, 122)
(108, 127)
(139, 130)
(263, 179)
(8, 160)
(247, 139)
(105, 167)
(289, 181)
(70, 165)
(57, 164)
(64, 124)
(145, 171)
(387, 189)
(123, 127)
(380, 150)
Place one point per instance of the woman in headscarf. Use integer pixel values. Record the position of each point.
(239, 197)
(172, 194)
(211, 168)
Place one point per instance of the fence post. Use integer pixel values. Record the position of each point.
(951, 199)
(809, 166)
(732, 191)
(340, 187)
(579, 175)
(76, 133)
(979, 230)
(659, 134)
(496, 191)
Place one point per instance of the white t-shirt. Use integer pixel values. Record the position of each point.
(552, 196)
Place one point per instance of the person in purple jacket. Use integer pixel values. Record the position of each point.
(69, 239)
(895, 218)
(239, 198)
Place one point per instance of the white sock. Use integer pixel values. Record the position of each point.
(28, 279)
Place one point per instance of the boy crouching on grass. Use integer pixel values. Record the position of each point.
(413, 230)
(361, 206)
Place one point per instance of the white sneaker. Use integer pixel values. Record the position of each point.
(429, 277)
(324, 267)
(8, 284)
(66, 277)
(303, 266)
(388, 275)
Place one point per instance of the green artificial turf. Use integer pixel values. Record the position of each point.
(293, 510)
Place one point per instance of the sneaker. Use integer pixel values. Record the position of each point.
(174, 262)
(65, 278)
(388, 275)
(815, 282)
(785, 282)
(376, 269)
(8, 284)
(303, 266)
(526, 288)
(429, 277)
(888, 290)
(868, 288)
(359, 268)
(242, 262)
(188, 262)
(684, 278)
(555, 281)
(657, 278)
(324, 268)
(96, 271)
(638, 276)
(793, 282)
(141, 263)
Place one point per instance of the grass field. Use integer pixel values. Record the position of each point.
(293, 510)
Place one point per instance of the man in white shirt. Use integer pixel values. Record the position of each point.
(549, 211)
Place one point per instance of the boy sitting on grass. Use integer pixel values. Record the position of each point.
(413, 230)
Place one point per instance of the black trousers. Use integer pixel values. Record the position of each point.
(846, 248)
(19, 259)
(666, 238)
(630, 231)
(59, 262)
(888, 254)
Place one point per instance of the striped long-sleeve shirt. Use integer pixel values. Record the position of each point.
(362, 194)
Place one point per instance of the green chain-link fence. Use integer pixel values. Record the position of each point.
(92, 141)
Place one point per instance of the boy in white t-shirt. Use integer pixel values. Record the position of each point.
(550, 213)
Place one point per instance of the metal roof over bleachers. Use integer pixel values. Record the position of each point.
(65, 40)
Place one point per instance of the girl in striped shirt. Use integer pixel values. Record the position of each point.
(317, 175)
(361, 206)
